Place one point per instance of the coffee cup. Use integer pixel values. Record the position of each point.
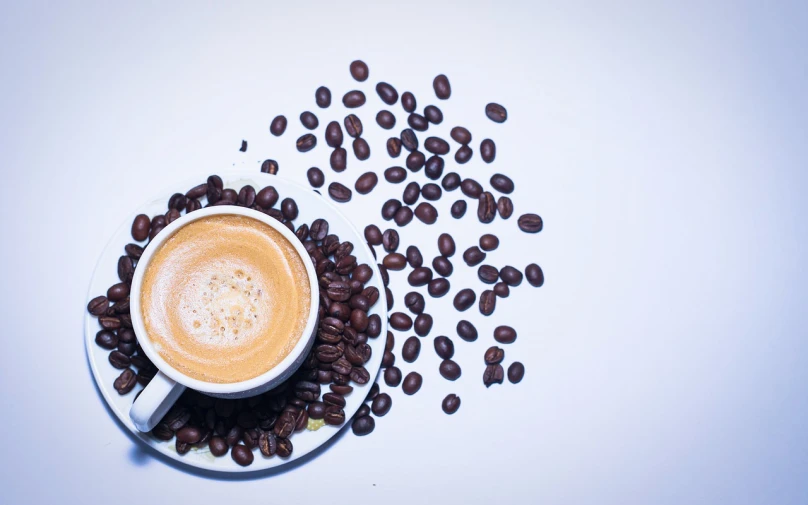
(169, 383)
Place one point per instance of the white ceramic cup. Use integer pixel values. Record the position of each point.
(164, 389)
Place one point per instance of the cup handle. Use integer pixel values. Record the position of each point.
(154, 401)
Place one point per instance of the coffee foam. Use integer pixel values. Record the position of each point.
(225, 299)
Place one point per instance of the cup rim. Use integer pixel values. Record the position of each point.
(216, 387)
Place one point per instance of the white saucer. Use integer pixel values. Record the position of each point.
(311, 206)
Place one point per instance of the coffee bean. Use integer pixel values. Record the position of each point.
(535, 275)
(422, 325)
(438, 287)
(510, 276)
(494, 355)
(446, 245)
(417, 122)
(109, 322)
(515, 372)
(388, 359)
(414, 302)
(366, 183)
(530, 223)
(134, 251)
(411, 193)
(387, 93)
(426, 212)
(463, 154)
(493, 374)
(339, 193)
(415, 161)
(228, 195)
(442, 266)
(373, 234)
(460, 135)
(241, 455)
(353, 99)
(285, 447)
(278, 126)
(359, 70)
(119, 360)
(441, 86)
(486, 207)
(394, 261)
(411, 349)
(400, 321)
(218, 447)
(194, 205)
(333, 134)
(466, 331)
(395, 175)
(390, 208)
(449, 370)
(177, 201)
(489, 242)
(140, 227)
(309, 120)
(118, 291)
(394, 147)
(289, 209)
(458, 209)
(504, 334)
(125, 382)
(433, 114)
(106, 339)
(319, 229)
(436, 145)
(197, 192)
(98, 305)
(419, 276)
(496, 112)
(381, 404)
(450, 404)
(409, 140)
(471, 188)
(386, 119)
(172, 215)
(473, 256)
(408, 101)
(505, 207)
(431, 191)
(322, 97)
(189, 434)
(243, 147)
(403, 216)
(412, 383)
(267, 197)
(488, 274)
(361, 149)
(433, 167)
(339, 159)
(269, 167)
(488, 150)
(306, 142)
(390, 240)
(392, 376)
(502, 183)
(488, 302)
(502, 290)
(363, 425)
(464, 299)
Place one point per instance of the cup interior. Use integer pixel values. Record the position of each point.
(278, 371)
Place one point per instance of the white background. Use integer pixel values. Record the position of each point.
(664, 146)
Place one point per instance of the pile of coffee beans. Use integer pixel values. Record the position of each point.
(267, 421)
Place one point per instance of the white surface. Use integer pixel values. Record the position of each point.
(663, 145)
(310, 208)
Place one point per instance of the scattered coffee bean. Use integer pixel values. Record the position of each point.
(493, 374)
(197, 192)
(289, 209)
(278, 126)
(106, 339)
(534, 274)
(359, 70)
(411, 193)
(466, 331)
(433, 114)
(486, 207)
(381, 404)
(423, 324)
(189, 434)
(339, 159)
(433, 167)
(109, 322)
(452, 181)
(489, 242)
(530, 223)
(515, 372)
(426, 212)
(502, 290)
(419, 276)
(390, 240)
(494, 355)
(394, 261)
(140, 227)
(441, 86)
(333, 134)
(285, 445)
(119, 360)
(417, 122)
(395, 175)
(414, 257)
(408, 101)
(400, 321)
(458, 209)
(269, 167)
(446, 245)
(442, 266)
(409, 140)
(449, 370)
(502, 183)
(353, 99)
(496, 112)
(118, 291)
(488, 274)
(436, 145)
(363, 425)
(444, 347)
(438, 287)
(388, 359)
(322, 97)
(394, 147)
(339, 193)
(98, 305)
(309, 120)
(125, 382)
(241, 455)
(218, 447)
(414, 302)
(366, 182)
(504, 334)
(464, 299)
(488, 150)
(488, 302)
(403, 216)
(411, 349)
(392, 376)
(386, 119)
(431, 192)
(306, 142)
(387, 93)
(471, 188)
(134, 251)
(473, 256)
(463, 154)
(415, 161)
(505, 207)
(412, 383)
(373, 234)
(390, 208)
(450, 404)
(361, 149)
(510, 276)
(460, 135)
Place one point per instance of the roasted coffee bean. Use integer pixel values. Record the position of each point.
(422, 325)
(415, 302)
(319, 229)
(241, 455)
(322, 97)
(409, 140)
(488, 302)
(359, 70)
(463, 154)
(488, 150)
(496, 112)
(403, 216)
(510, 276)
(387, 93)
(309, 120)
(353, 125)
(127, 348)
(362, 273)
(385, 275)
(471, 188)
(505, 207)
(395, 175)
(289, 209)
(411, 349)
(433, 167)
(394, 147)
(501, 290)
(493, 374)
(466, 331)
(109, 322)
(339, 193)
(488, 274)
(333, 134)
(464, 299)
(411, 193)
(140, 227)
(268, 443)
(450, 404)
(504, 334)
(278, 126)
(218, 447)
(415, 161)
(386, 119)
(441, 86)
(177, 417)
(353, 99)
(361, 149)
(515, 372)
(373, 234)
(452, 181)
(134, 251)
(189, 434)
(535, 275)
(458, 209)
(307, 391)
(460, 135)
(106, 339)
(400, 321)
(177, 201)
(412, 383)
(285, 424)
(181, 447)
(246, 196)
(230, 196)
(388, 359)
(395, 261)
(172, 215)
(360, 375)
(389, 298)
(120, 360)
(392, 376)
(366, 182)
(473, 256)
(247, 420)
(449, 370)
(489, 242)
(306, 142)
(363, 425)
(433, 114)
(426, 212)
(486, 207)
(340, 390)
(339, 159)
(419, 276)
(431, 192)
(390, 208)
(444, 347)
(494, 355)
(193, 205)
(285, 447)
(197, 192)
(390, 341)
(408, 101)
(233, 435)
(267, 197)
(120, 307)
(502, 183)
(414, 257)
(438, 287)
(374, 324)
(417, 122)
(530, 223)
(98, 305)
(316, 410)
(381, 404)
(334, 399)
(125, 382)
